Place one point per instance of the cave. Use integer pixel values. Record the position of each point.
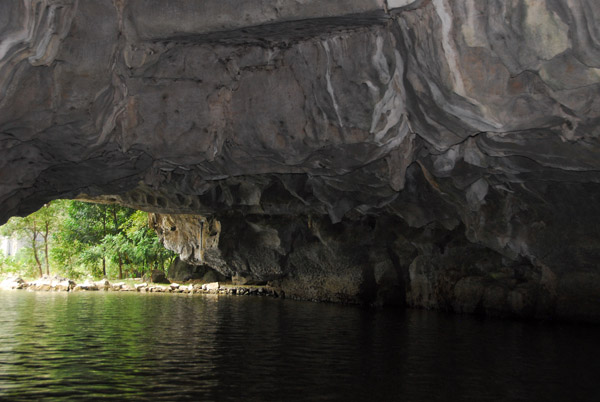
(426, 153)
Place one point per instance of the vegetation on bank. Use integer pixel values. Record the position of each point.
(78, 239)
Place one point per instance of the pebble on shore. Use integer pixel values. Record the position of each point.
(58, 284)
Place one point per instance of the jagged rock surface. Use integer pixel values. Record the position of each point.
(180, 271)
(438, 153)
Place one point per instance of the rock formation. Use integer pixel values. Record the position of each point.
(438, 153)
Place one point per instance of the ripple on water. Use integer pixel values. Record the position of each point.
(85, 346)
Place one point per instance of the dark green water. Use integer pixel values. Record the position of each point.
(115, 346)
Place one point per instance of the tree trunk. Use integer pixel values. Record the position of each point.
(103, 236)
(114, 210)
(120, 267)
(45, 236)
(34, 248)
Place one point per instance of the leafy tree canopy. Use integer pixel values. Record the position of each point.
(76, 239)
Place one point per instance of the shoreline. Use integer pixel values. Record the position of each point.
(57, 284)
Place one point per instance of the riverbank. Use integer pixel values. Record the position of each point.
(58, 284)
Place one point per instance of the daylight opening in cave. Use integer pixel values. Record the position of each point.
(395, 160)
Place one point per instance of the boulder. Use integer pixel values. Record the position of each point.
(64, 286)
(181, 271)
(241, 279)
(87, 285)
(211, 287)
(156, 276)
(44, 284)
(103, 284)
(158, 289)
(12, 283)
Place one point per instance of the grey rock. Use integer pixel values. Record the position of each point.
(159, 289)
(65, 285)
(44, 283)
(158, 276)
(288, 130)
(182, 272)
(87, 285)
(12, 283)
(211, 287)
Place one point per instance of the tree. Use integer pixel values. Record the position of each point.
(84, 227)
(136, 245)
(75, 242)
(37, 228)
(117, 228)
(144, 248)
(85, 238)
(82, 233)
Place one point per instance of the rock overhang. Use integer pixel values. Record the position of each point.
(157, 21)
(480, 119)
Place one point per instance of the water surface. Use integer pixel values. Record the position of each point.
(114, 346)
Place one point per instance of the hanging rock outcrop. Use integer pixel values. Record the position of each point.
(438, 153)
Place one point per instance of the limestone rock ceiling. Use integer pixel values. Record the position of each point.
(481, 117)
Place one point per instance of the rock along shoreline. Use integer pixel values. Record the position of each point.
(58, 284)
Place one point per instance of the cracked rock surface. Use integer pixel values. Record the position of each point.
(435, 153)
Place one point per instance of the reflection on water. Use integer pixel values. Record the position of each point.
(85, 346)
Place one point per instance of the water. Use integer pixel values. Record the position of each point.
(114, 346)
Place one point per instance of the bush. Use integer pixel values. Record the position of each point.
(17, 265)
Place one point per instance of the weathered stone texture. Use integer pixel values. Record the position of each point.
(477, 120)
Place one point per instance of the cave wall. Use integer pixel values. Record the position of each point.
(308, 130)
(382, 260)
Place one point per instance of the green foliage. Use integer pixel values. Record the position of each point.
(141, 246)
(23, 264)
(37, 229)
(85, 239)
